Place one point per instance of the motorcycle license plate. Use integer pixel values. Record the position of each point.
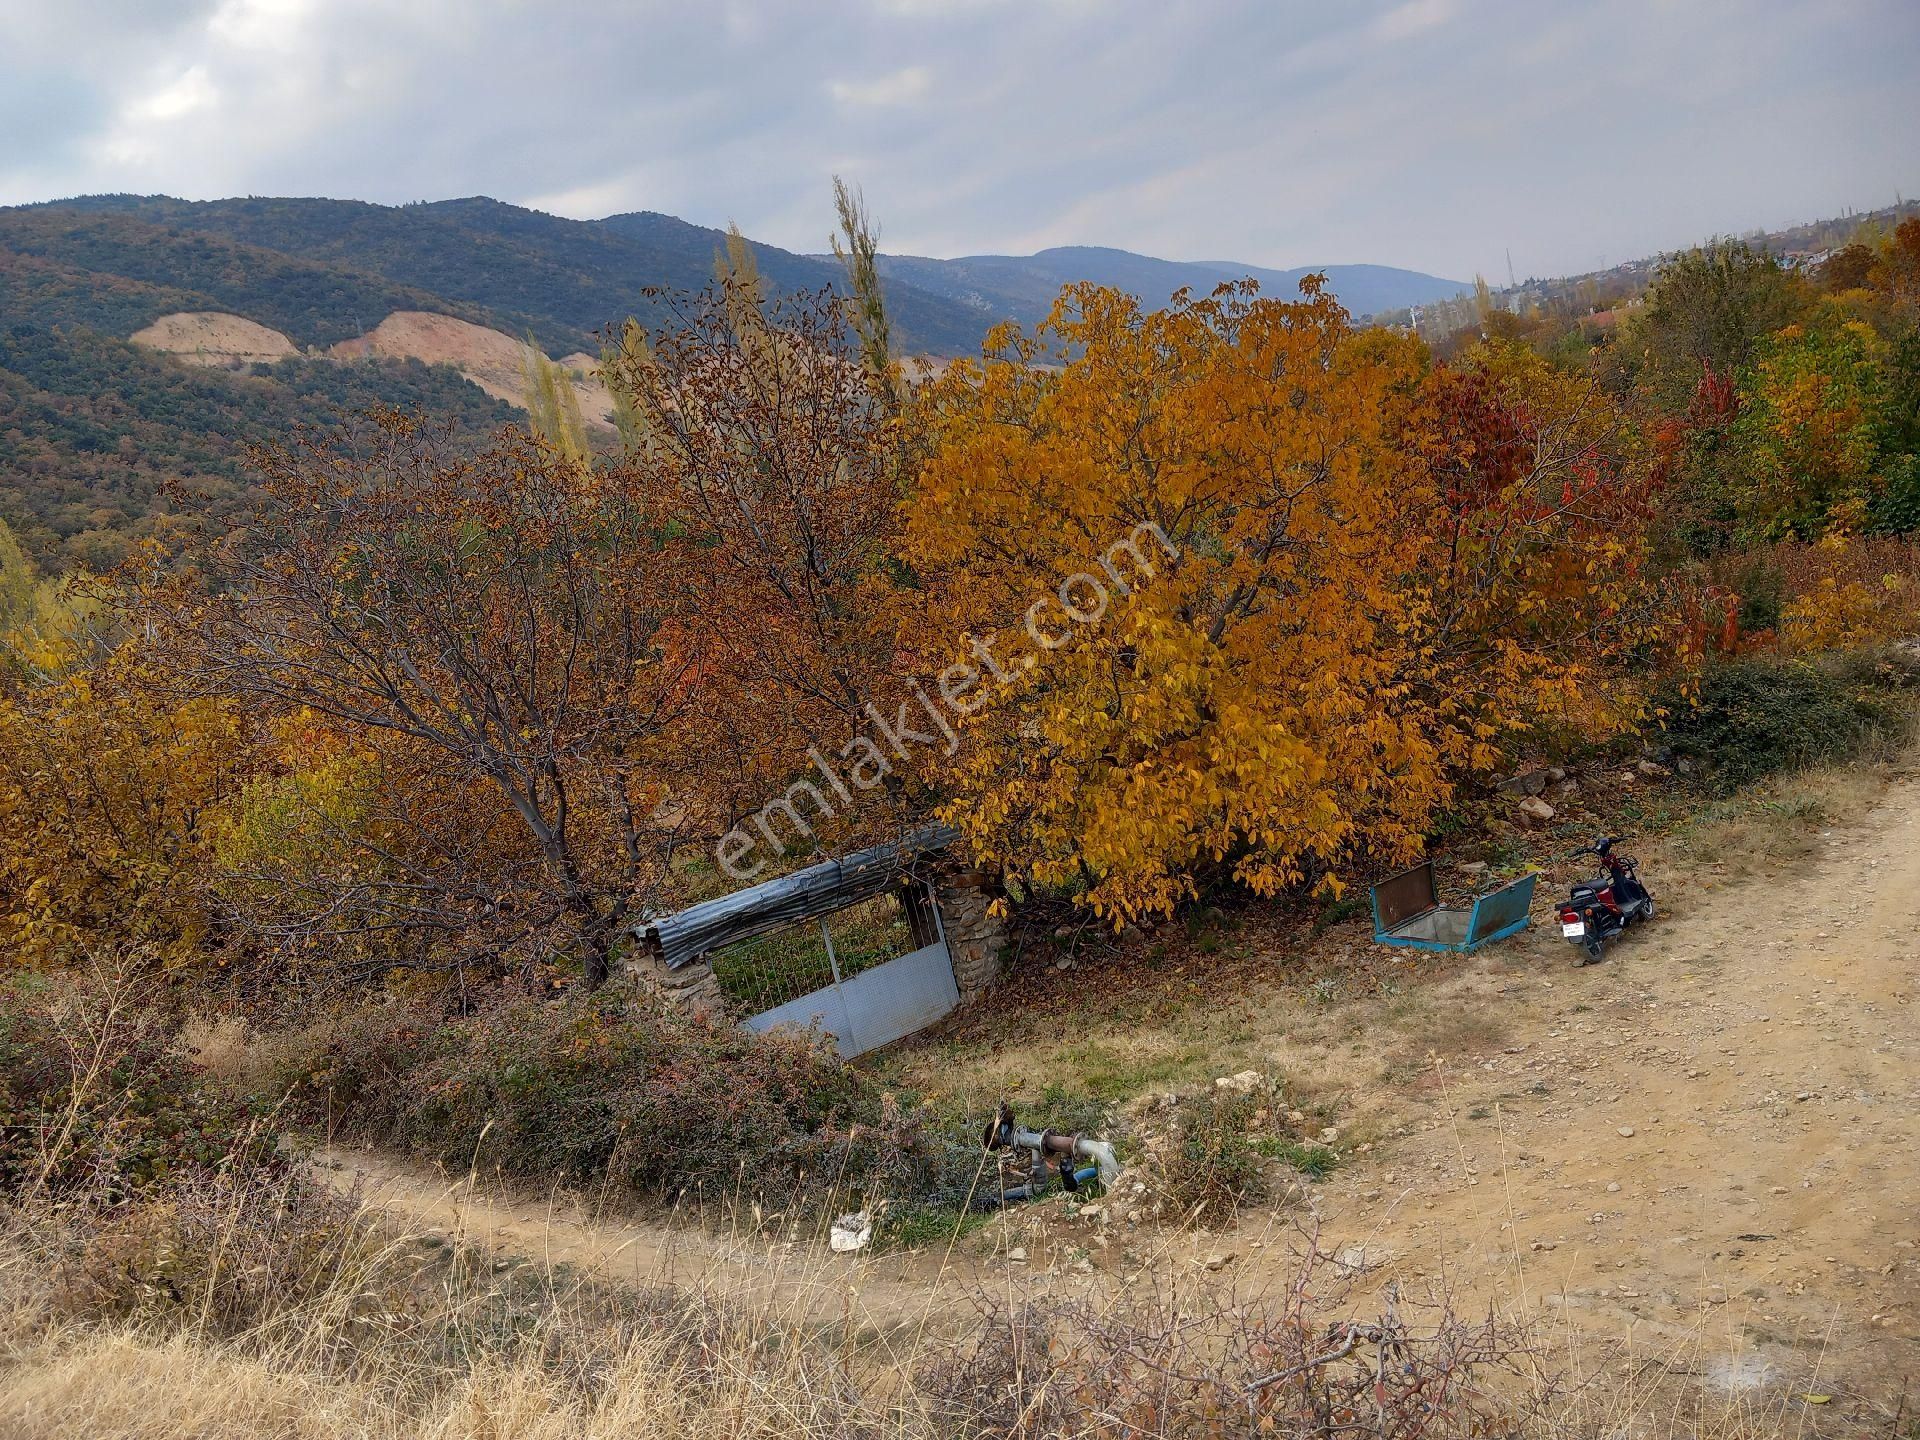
(1574, 929)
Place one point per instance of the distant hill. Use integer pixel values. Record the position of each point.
(116, 266)
(95, 430)
(565, 281)
(1022, 287)
(250, 316)
(322, 271)
(146, 341)
(339, 303)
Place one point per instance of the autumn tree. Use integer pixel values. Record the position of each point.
(1811, 430)
(108, 787)
(351, 852)
(474, 627)
(857, 247)
(16, 582)
(1896, 267)
(1847, 268)
(1326, 627)
(1708, 310)
(1540, 497)
(553, 407)
(776, 474)
(44, 621)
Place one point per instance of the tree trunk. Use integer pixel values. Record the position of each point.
(598, 961)
(596, 932)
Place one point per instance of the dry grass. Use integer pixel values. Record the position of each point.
(85, 1385)
(246, 1060)
(235, 1296)
(459, 1351)
(1776, 824)
(405, 1337)
(415, 1341)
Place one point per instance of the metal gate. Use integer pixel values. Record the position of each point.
(854, 946)
(866, 975)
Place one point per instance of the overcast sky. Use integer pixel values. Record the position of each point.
(1433, 134)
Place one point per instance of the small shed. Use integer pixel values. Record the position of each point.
(864, 947)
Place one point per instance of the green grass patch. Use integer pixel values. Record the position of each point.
(925, 1227)
(1103, 1073)
(1314, 1161)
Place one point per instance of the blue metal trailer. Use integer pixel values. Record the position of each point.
(1407, 911)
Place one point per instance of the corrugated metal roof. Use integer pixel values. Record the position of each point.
(804, 895)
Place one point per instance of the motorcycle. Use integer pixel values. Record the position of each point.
(1597, 910)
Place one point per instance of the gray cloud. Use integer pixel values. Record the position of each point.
(1428, 133)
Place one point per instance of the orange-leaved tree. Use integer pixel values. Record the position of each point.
(1537, 504)
(774, 468)
(1250, 596)
(475, 627)
(354, 850)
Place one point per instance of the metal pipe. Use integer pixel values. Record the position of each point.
(1046, 1142)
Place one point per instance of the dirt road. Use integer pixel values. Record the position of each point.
(884, 1295)
(1699, 1158)
(1710, 1143)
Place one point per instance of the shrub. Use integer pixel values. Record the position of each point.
(1160, 1366)
(1897, 510)
(608, 1087)
(229, 1250)
(1847, 592)
(1762, 587)
(1756, 717)
(1215, 1164)
(95, 1095)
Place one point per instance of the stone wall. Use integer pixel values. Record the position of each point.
(692, 988)
(976, 939)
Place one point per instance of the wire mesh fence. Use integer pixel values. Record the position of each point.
(869, 934)
(769, 970)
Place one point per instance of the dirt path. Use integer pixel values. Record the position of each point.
(1703, 1153)
(1708, 1145)
(887, 1295)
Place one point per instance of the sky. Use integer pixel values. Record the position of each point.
(1439, 135)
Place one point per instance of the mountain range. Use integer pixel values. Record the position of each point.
(147, 340)
(1021, 287)
(324, 269)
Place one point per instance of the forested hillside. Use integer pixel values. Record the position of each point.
(116, 272)
(92, 428)
(519, 270)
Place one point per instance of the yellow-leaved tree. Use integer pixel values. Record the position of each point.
(107, 786)
(1231, 613)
